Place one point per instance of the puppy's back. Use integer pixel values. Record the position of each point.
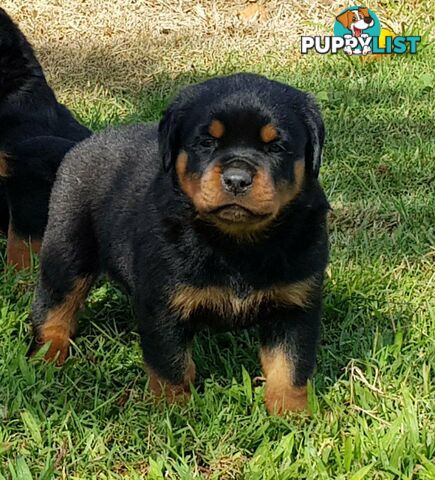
(108, 162)
(100, 189)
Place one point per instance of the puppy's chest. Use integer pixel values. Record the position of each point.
(228, 306)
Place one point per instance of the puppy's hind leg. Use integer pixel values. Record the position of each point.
(67, 274)
(55, 315)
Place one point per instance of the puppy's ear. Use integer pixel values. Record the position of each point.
(168, 136)
(345, 18)
(316, 133)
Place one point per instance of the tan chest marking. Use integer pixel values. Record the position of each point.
(223, 301)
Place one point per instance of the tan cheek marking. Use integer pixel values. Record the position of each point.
(205, 192)
(173, 393)
(268, 133)
(288, 192)
(281, 394)
(189, 184)
(60, 324)
(212, 194)
(186, 300)
(263, 190)
(216, 129)
(4, 169)
(18, 250)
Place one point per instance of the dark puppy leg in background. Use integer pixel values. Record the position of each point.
(288, 357)
(30, 173)
(19, 249)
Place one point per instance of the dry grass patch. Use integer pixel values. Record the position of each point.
(94, 47)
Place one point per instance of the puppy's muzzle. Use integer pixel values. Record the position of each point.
(237, 178)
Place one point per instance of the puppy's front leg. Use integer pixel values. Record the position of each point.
(166, 344)
(288, 355)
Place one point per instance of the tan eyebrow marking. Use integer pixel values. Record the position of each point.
(216, 128)
(268, 133)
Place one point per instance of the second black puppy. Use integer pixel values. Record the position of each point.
(215, 220)
(35, 133)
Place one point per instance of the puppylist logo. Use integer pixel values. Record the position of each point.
(357, 31)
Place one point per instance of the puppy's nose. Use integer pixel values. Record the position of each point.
(236, 180)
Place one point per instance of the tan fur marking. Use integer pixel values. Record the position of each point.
(18, 250)
(216, 128)
(288, 192)
(268, 133)
(60, 324)
(281, 394)
(207, 194)
(4, 168)
(173, 393)
(223, 301)
(188, 183)
(263, 191)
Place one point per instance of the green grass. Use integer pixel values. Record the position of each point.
(373, 392)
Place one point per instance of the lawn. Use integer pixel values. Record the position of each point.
(372, 396)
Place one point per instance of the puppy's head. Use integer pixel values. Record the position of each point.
(18, 64)
(242, 148)
(356, 20)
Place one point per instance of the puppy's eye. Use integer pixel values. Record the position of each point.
(207, 142)
(275, 148)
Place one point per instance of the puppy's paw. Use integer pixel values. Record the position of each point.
(174, 393)
(58, 350)
(280, 399)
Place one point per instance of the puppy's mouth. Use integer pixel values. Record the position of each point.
(362, 25)
(357, 31)
(234, 213)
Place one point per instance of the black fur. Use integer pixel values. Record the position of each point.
(117, 207)
(35, 133)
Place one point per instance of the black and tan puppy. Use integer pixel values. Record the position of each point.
(35, 133)
(215, 219)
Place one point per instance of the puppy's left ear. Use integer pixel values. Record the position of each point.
(316, 132)
(345, 18)
(168, 136)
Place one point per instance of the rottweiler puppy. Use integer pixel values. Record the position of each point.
(35, 133)
(213, 219)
